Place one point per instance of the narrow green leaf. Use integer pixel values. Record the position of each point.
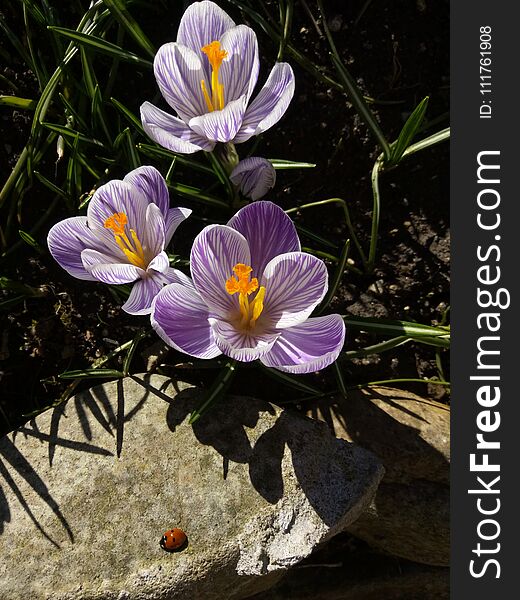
(71, 133)
(280, 163)
(440, 136)
(158, 152)
(73, 113)
(28, 239)
(288, 380)
(18, 103)
(118, 9)
(131, 351)
(217, 390)
(314, 236)
(91, 373)
(197, 194)
(98, 114)
(336, 279)
(100, 45)
(128, 114)
(394, 327)
(408, 132)
(51, 186)
(89, 75)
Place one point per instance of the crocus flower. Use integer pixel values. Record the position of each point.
(208, 76)
(122, 238)
(252, 293)
(254, 177)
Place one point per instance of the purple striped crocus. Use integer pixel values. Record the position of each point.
(252, 295)
(254, 177)
(122, 238)
(208, 76)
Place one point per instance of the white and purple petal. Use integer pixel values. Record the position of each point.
(244, 346)
(170, 132)
(268, 230)
(295, 284)
(221, 125)
(67, 239)
(308, 347)
(239, 70)
(180, 318)
(153, 233)
(203, 23)
(215, 251)
(174, 218)
(158, 274)
(104, 268)
(152, 185)
(270, 104)
(116, 196)
(179, 71)
(254, 177)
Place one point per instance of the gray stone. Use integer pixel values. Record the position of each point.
(87, 490)
(409, 516)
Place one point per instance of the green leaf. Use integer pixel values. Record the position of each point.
(50, 185)
(408, 132)
(394, 327)
(336, 279)
(28, 239)
(18, 103)
(217, 390)
(280, 164)
(100, 45)
(118, 9)
(98, 114)
(440, 136)
(89, 75)
(288, 380)
(128, 114)
(71, 133)
(91, 373)
(197, 194)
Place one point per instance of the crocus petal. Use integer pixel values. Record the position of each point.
(180, 318)
(240, 345)
(295, 284)
(270, 104)
(268, 231)
(203, 23)
(170, 132)
(116, 196)
(153, 234)
(174, 218)
(102, 268)
(152, 185)
(66, 240)
(143, 292)
(178, 71)
(254, 177)
(215, 251)
(221, 125)
(308, 347)
(159, 263)
(239, 70)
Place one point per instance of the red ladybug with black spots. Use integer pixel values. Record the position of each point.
(173, 540)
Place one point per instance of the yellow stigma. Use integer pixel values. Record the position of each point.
(215, 56)
(249, 311)
(133, 250)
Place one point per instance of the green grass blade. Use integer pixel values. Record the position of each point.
(393, 327)
(128, 114)
(98, 44)
(118, 9)
(409, 131)
(91, 374)
(280, 164)
(18, 103)
(336, 279)
(217, 390)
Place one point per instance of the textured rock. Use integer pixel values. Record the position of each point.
(344, 569)
(88, 489)
(409, 516)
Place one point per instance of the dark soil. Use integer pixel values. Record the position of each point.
(398, 52)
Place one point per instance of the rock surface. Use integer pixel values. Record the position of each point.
(345, 570)
(409, 516)
(87, 489)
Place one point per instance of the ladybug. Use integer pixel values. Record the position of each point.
(173, 539)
